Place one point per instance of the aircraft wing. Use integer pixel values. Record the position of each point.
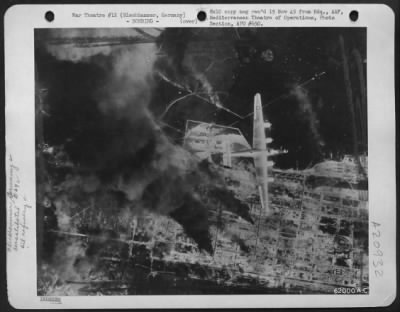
(228, 154)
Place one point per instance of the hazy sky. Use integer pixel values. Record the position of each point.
(298, 71)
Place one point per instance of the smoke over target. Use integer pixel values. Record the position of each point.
(120, 154)
(308, 112)
(155, 168)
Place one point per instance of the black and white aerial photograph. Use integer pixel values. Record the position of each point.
(201, 161)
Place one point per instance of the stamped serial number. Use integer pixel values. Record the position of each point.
(377, 254)
(351, 290)
(50, 299)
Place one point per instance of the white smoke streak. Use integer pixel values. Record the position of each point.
(63, 43)
(306, 108)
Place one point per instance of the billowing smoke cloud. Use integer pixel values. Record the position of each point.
(120, 161)
(308, 112)
(117, 145)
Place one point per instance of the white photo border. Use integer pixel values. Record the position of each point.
(20, 22)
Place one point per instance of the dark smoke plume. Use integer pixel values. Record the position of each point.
(108, 132)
